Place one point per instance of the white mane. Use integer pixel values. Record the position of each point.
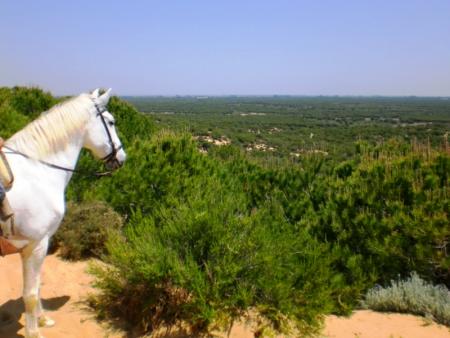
(51, 132)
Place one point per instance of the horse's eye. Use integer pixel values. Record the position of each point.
(111, 123)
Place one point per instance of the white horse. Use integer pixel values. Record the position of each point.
(41, 156)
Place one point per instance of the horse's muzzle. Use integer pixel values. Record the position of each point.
(113, 164)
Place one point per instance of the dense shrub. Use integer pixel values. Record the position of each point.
(31, 101)
(349, 211)
(84, 230)
(200, 255)
(392, 212)
(384, 213)
(10, 121)
(156, 171)
(20, 105)
(414, 296)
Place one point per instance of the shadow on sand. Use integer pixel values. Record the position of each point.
(11, 311)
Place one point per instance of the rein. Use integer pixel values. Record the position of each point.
(110, 157)
(55, 166)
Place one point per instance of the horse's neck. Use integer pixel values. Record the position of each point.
(66, 159)
(41, 169)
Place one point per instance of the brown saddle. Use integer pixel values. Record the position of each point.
(6, 248)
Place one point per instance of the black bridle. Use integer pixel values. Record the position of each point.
(108, 159)
(111, 157)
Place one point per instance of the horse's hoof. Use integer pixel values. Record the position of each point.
(45, 321)
(34, 335)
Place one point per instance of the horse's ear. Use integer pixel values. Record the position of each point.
(95, 93)
(104, 98)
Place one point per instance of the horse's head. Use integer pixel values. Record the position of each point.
(101, 135)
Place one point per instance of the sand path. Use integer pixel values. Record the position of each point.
(65, 285)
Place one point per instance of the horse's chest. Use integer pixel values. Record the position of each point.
(38, 211)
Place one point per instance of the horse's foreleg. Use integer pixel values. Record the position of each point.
(32, 259)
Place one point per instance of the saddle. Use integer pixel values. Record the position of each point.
(6, 213)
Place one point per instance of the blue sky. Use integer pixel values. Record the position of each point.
(241, 47)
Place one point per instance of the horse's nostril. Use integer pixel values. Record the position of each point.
(114, 164)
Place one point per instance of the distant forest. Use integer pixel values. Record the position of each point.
(287, 126)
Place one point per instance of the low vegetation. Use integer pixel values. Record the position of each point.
(85, 229)
(210, 236)
(413, 295)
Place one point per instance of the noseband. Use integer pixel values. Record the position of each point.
(111, 157)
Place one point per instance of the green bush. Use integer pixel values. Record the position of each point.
(389, 212)
(414, 296)
(200, 255)
(362, 221)
(11, 121)
(31, 101)
(84, 230)
(155, 171)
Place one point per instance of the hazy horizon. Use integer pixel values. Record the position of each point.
(201, 96)
(234, 48)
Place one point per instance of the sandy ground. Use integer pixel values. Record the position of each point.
(65, 285)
